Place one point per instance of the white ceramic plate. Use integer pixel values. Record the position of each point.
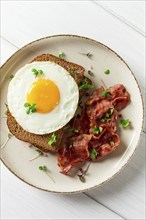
(16, 154)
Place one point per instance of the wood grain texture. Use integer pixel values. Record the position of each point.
(131, 13)
(55, 18)
(124, 194)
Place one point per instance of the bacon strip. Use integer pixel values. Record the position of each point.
(99, 112)
(77, 152)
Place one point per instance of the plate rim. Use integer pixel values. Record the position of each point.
(142, 124)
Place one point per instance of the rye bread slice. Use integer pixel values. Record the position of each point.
(41, 141)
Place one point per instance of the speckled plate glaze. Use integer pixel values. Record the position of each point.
(16, 154)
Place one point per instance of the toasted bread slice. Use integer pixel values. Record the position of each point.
(41, 141)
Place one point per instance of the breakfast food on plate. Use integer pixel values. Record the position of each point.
(46, 109)
(28, 87)
(96, 128)
(54, 93)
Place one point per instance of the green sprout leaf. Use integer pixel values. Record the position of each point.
(107, 71)
(74, 130)
(83, 173)
(112, 143)
(124, 123)
(89, 55)
(6, 141)
(81, 178)
(102, 120)
(96, 130)
(52, 140)
(100, 129)
(93, 154)
(37, 72)
(6, 109)
(90, 73)
(105, 93)
(85, 85)
(11, 76)
(62, 55)
(39, 153)
(30, 108)
(45, 170)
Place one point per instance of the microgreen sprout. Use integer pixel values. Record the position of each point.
(62, 55)
(93, 154)
(39, 153)
(105, 93)
(52, 139)
(37, 72)
(112, 143)
(6, 109)
(83, 173)
(89, 55)
(45, 170)
(30, 108)
(11, 76)
(85, 85)
(107, 71)
(6, 141)
(90, 73)
(124, 123)
(97, 130)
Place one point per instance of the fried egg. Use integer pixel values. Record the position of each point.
(51, 89)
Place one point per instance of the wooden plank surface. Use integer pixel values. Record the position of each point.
(124, 195)
(131, 13)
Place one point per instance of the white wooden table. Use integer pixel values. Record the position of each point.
(118, 24)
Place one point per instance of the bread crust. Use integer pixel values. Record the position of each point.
(41, 141)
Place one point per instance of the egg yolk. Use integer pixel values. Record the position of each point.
(45, 94)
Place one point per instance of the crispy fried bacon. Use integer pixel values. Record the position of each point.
(76, 152)
(96, 128)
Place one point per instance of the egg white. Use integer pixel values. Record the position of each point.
(38, 123)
